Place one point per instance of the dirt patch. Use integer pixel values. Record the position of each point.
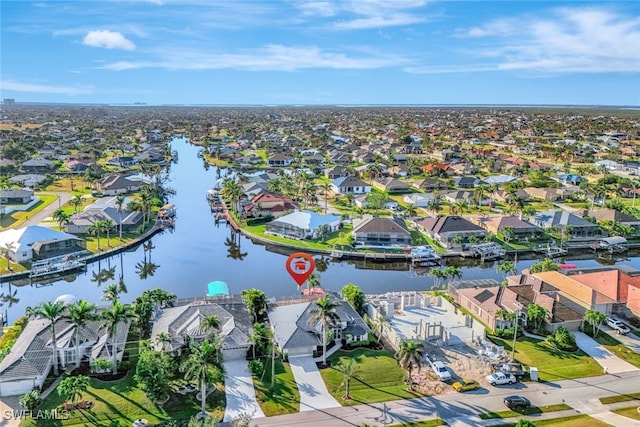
(462, 362)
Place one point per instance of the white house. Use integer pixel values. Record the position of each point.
(38, 242)
(303, 224)
(350, 185)
(419, 200)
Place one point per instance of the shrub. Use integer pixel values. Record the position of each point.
(100, 366)
(256, 367)
(563, 339)
(11, 336)
(31, 400)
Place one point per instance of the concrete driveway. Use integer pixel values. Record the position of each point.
(631, 340)
(609, 361)
(313, 392)
(241, 396)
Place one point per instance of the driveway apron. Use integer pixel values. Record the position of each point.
(241, 396)
(611, 364)
(313, 391)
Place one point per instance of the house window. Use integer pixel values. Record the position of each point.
(337, 334)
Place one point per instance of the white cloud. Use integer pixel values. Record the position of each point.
(379, 21)
(569, 40)
(271, 57)
(108, 39)
(450, 69)
(316, 8)
(37, 88)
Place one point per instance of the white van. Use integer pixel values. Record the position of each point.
(441, 371)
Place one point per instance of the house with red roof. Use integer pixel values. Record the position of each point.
(269, 205)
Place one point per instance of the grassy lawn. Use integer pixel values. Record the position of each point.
(631, 412)
(14, 219)
(572, 421)
(283, 397)
(552, 364)
(121, 402)
(619, 398)
(530, 411)
(379, 378)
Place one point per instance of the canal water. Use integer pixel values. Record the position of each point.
(198, 251)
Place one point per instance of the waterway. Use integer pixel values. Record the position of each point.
(198, 251)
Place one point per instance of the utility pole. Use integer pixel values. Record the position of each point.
(515, 336)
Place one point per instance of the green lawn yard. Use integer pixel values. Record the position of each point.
(379, 378)
(283, 397)
(552, 364)
(121, 402)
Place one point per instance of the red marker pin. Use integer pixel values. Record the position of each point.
(300, 266)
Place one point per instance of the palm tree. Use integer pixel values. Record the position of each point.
(379, 325)
(506, 267)
(326, 186)
(348, 369)
(536, 314)
(61, 217)
(6, 251)
(409, 355)
(118, 313)
(209, 325)
(76, 202)
(106, 226)
(95, 230)
(163, 339)
(325, 314)
(51, 311)
(200, 366)
(119, 203)
(313, 282)
(110, 293)
(72, 387)
(595, 318)
(259, 338)
(79, 313)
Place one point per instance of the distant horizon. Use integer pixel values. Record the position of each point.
(322, 52)
(141, 105)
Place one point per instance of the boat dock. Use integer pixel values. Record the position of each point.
(613, 245)
(58, 265)
(486, 251)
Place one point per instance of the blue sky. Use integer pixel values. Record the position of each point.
(321, 52)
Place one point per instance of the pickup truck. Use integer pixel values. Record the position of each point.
(617, 325)
(500, 378)
(516, 369)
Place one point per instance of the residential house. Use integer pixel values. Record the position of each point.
(37, 165)
(378, 231)
(16, 196)
(391, 185)
(608, 289)
(499, 179)
(296, 336)
(35, 242)
(401, 170)
(349, 185)
(105, 209)
(612, 215)
(336, 172)
(547, 194)
(30, 360)
(303, 225)
(268, 205)
(184, 324)
(122, 161)
(280, 160)
(113, 185)
(430, 184)
(467, 197)
(30, 180)
(578, 228)
(445, 229)
(419, 200)
(438, 169)
(520, 229)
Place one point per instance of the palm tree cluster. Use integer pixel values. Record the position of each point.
(442, 274)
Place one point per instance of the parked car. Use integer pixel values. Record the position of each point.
(465, 385)
(617, 325)
(500, 378)
(441, 371)
(517, 402)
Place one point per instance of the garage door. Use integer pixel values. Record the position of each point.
(239, 353)
(299, 351)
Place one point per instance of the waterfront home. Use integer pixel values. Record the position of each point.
(445, 229)
(268, 205)
(113, 185)
(578, 228)
(349, 185)
(612, 215)
(519, 229)
(486, 302)
(303, 225)
(35, 242)
(122, 161)
(379, 231)
(16, 196)
(31, 358)
(105, 208)
(295, 336)
(608, 289)
(184, 324)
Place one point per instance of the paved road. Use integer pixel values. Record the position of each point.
(313, 391)
(47, 211)
(241, 396)
(463, 410)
